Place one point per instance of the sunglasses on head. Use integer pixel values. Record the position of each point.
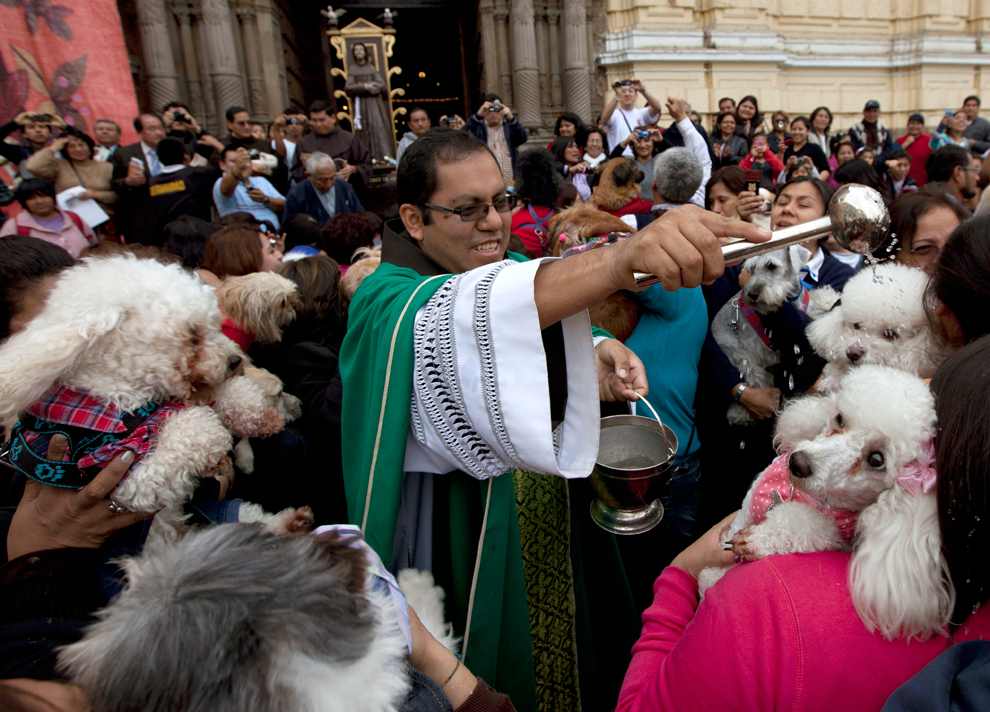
(478, 211)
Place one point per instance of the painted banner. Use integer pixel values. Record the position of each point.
(66, 57)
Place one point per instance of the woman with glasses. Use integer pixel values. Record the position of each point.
(821, 122)
(920, 222)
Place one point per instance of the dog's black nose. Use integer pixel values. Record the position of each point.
(233, 362)
(799, 465)
(753, 296)
(854, 353)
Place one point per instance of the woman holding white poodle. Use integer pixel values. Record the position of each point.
(782, 632)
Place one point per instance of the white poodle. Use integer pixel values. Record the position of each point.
(254, 406)
(775, 278)
(126, 354)
(880, 320)
(856, 475)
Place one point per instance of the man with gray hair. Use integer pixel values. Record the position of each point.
(677, 175)
(321, 195)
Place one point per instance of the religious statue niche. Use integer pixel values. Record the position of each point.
(364, 49)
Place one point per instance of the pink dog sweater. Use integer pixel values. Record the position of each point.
(776, 478)
(780, 633)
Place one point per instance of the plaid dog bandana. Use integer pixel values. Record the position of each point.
(96, 431)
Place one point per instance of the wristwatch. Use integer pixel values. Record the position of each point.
(266, 200)
(738, 395)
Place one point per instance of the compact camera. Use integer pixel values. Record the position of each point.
(41, 118)
(292, 120)
(178, 116)
(448, 121)
(621, 83)
(254, 153)
(642, 134)
(496, 106)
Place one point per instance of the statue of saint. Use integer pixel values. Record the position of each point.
(372, 120)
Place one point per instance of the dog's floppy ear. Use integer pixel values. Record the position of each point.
(898, 578)
(822, 331)
(33, 360)
(800, 256)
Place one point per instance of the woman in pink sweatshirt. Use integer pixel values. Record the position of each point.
(781, 633)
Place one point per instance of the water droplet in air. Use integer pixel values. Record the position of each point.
(976, 518)
(742, 444)
(971, 532)
(790, 382)
(976, 607)
(800, 360)
(797, 349)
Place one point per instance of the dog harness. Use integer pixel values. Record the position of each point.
(541, 227)
(96, 433)
(775, 481)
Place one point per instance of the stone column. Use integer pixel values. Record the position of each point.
(221, 56)
(489, 45)
(525, 75)
(269, 31)
(249, 31)
(214, 121)
(577, 84)
(159, 65)
(543, 59)
(553, 19)
(195, 88)
(501, 15)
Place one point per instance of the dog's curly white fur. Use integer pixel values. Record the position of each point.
(881, 320)
(130, 331)
(426, 598)
(853, 443)
(254, 405)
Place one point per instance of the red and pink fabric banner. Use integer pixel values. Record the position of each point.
(66, 57)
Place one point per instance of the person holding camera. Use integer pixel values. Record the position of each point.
(645, 143)
(621, 115)
(266, 161)
(240, 191)
(496, 126)
(418, 122)
(179, 123)
(35, 133)
(290, 125)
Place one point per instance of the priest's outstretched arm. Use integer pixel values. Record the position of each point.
(505, 375)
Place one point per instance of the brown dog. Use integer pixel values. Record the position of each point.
(618, 314)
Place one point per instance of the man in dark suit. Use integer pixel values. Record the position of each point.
(321, 195)
(133, 167)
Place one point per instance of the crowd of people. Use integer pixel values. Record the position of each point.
(438, 385)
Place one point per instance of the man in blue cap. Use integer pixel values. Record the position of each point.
(870, 133)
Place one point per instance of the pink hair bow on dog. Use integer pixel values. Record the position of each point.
(919, 477)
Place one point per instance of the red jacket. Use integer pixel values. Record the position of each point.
(775, 165)
(636, 206)
(919, 152)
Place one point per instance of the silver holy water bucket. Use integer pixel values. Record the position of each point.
(635, 456)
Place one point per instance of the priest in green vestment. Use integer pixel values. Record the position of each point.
(463, 362)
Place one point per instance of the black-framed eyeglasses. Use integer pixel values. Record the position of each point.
(478, 211)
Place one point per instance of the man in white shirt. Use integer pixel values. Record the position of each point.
(239, 191)
(621, 115)
(292, 124)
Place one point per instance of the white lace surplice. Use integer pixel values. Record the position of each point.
(481, 399)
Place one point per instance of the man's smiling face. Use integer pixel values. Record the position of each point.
(457, 245)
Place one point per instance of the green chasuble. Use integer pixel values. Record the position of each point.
(376, 366)
(486, 593)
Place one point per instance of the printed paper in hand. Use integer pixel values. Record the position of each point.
(89, 210)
